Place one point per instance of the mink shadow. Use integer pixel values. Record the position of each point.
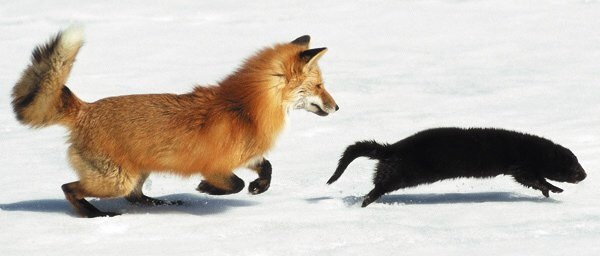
(452, 198)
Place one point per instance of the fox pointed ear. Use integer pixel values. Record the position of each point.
(302, 41)
(311, 56)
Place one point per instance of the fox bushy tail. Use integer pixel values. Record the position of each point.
(370, 149)
(40, 97)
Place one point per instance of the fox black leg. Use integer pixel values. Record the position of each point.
(141, 199)
(262, 183)
(137, 196)
(75, 195)
(229, 185)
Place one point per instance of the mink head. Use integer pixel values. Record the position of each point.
(563, 166)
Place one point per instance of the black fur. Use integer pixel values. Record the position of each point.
(19, 104)
(446, 153)
(263, 182)
(44, 51)
(311, 53)
(302, 41)
(236, 185)
(67, 98)
(39, 54)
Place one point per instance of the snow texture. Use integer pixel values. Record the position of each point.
(394, 68)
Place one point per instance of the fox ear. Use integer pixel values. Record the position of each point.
(311, 56)
(302, 41)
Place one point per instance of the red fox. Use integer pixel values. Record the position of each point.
(116, 142)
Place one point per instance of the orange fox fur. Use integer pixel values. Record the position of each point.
(116, 142)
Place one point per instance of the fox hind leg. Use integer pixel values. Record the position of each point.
(137, 196)
(221, 185)
(98, 177)
(75, 194)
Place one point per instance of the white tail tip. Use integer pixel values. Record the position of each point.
(72, 36)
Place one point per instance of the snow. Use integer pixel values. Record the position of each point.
(394, 68)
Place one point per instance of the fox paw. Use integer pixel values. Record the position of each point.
(259, 186)
(207, 188)
(158, 202)
(144, 200)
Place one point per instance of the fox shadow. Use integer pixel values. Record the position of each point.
(192, 204)
(452, 198)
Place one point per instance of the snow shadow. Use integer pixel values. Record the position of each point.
(318, 199)
(452, 198)
(41, 205)
(192, 204)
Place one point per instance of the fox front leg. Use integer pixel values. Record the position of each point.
(221, 185)
(261, 184)
(137, 196)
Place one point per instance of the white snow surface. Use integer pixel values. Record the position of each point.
(394, 68)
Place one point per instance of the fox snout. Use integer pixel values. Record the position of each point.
(324, 111)
(322, 105)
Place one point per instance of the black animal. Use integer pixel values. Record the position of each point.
(445, 153)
